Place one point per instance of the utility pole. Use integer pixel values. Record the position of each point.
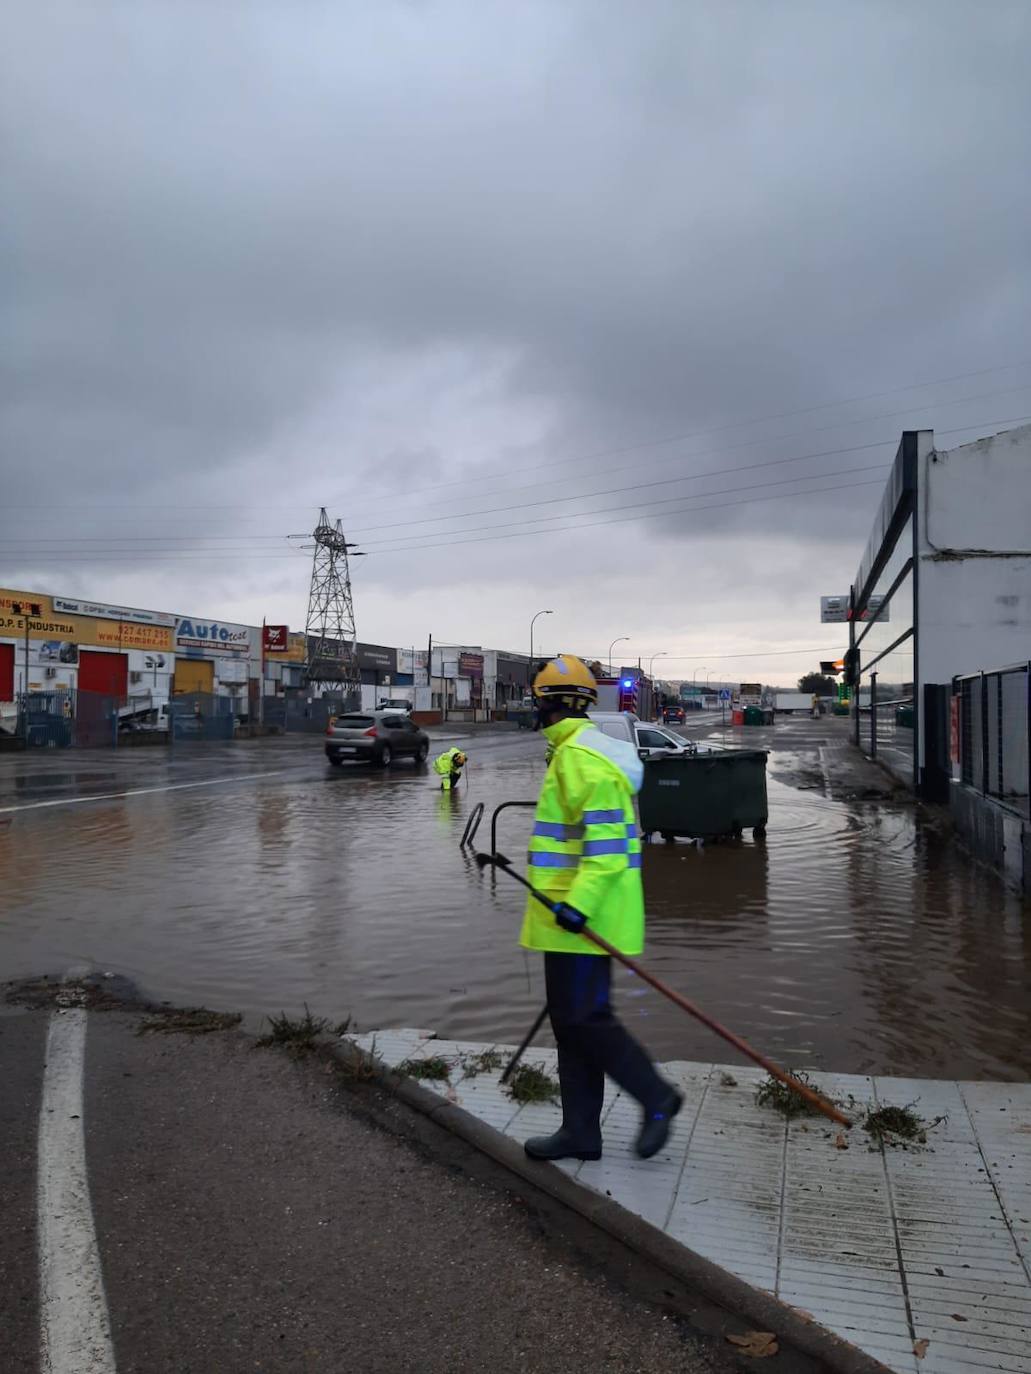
(331, 654)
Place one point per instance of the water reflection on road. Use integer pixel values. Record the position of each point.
(857, 938)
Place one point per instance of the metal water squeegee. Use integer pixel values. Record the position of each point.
(814, 1099)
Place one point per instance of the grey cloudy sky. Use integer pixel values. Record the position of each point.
(423, 262)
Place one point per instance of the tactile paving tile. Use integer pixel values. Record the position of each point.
(881, 1246)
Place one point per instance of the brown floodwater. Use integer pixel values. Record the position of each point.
(858, 938)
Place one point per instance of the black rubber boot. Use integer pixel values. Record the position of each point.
(655, 1127)
(561, 1145)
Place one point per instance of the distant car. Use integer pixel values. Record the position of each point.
(377, 737)
(395, 704)
(650, 741)
(673, 715)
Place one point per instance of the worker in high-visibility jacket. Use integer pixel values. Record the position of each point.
(449, 765)
(585, 857)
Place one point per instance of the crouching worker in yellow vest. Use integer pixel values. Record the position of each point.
(585, 856)
(449, 765)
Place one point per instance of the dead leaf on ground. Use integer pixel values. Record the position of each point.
(841, 1141)
(728, 1080)
(920, 1348)
(758, 1344)
(958, 1317)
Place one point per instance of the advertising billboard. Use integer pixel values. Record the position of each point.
(105, 612)
(276, 639)
(210, 637)
(834, 610)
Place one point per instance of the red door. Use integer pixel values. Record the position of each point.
(104, 673)
(6, 672)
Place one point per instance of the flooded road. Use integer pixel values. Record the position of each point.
(858, 938)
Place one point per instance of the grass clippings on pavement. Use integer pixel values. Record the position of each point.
(772, 1093)
(487, 1061)
(898, 1125)
(436, 1068)
(529, 1083)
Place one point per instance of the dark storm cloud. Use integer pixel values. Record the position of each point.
(262, 253)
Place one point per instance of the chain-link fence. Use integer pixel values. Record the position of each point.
(992, 719)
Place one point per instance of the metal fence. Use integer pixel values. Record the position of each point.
(70, 718)
(886, 728)
(83, 720)
(992, 718)
(201, 717)
(310, 715)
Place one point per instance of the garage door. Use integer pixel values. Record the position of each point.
(194, 675)
(104, 673)
(6, 672)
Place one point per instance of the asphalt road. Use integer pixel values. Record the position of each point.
(245, 1213)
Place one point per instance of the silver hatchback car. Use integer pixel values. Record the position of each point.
(377, 737)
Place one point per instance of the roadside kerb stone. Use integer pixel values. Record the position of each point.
(750, 1305)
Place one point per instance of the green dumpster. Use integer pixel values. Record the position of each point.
(753, 715)
(704, 796)
(904, 717)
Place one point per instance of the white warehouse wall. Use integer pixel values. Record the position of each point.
(974, 557)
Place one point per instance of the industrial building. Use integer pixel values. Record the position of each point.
(942, 663)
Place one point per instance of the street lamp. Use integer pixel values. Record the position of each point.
(531, 634)
(612, 646)
(651, 662)
(694, 675)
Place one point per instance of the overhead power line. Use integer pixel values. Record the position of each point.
(209, 551)
(643, 505)
(685, 477)
(620, 519)
(641, 445)
(637, 446)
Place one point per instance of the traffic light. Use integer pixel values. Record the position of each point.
(850, 665)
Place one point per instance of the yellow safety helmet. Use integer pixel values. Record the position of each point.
(566, 681)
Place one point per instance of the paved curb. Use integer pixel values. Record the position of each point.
(717, 1285)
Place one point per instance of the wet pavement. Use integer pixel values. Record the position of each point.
(858, 938)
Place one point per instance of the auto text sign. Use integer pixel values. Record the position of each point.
(211, 636)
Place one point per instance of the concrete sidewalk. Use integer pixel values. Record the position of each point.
(889, 1247)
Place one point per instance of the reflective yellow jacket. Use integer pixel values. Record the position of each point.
(444, 763)
(585, 848)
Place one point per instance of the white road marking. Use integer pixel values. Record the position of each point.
(140, 791)
(75, 1331)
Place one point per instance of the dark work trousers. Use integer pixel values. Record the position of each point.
(592, 1043)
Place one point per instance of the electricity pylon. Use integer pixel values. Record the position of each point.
(332, 656)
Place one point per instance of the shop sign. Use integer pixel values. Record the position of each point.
(102, 612)
(78, 629)
(276, 638)
(834, 610)
(411, 660)
(470, 665)
(9, 599)
(377, 657)
(210, 636)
